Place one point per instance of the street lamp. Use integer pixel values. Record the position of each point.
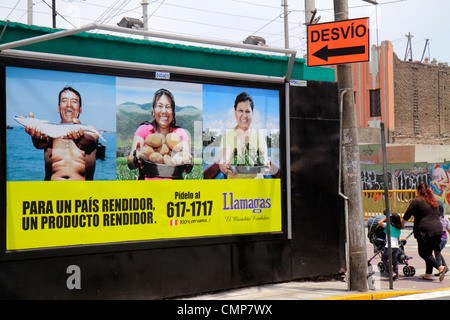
(128, 22)
(371, 1)
(255, 40)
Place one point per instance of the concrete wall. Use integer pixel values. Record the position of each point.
(432, 153)
(404, 153)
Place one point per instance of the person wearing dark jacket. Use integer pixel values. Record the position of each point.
(427, 229)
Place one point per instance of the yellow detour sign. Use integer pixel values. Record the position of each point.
(338, 42)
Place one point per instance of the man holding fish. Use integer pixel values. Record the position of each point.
(69, 154)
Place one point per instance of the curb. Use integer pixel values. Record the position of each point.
(382, 294)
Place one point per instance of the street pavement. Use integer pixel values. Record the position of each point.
(409, 288)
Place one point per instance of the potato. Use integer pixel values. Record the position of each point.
(156, 157)
(164, 149)
(155, 140)
(180, 158)
(168, 160)
(174, 142)
(146, 151)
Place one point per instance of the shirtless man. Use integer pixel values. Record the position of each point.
(71, 157)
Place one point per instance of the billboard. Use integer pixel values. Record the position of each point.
(107, 157)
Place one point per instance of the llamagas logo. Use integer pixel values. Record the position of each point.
(230, 202)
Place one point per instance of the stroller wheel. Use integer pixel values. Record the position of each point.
(381, 266)
(409, 271)
(406, 271)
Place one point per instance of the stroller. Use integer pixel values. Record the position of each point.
(377, 237)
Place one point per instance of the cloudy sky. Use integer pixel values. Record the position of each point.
(234, 20)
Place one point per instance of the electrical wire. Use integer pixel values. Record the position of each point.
(12, 10)
(154, 11)
(112, 11)
(58, 14)
(120, 7)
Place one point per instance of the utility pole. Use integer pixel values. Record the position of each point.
(286, 30)
(387, 209)
(30, 12)
(145, 16)
(357, 255)
(54, 13)
(310, 7)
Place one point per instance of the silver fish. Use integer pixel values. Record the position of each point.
(54, 130)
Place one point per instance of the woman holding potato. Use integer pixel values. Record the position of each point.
(161, 141)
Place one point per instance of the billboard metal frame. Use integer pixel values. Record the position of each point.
(96, 26)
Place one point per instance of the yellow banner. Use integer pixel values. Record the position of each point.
(53, 214)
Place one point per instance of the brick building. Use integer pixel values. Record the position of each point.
(411, 98)
(421, 102)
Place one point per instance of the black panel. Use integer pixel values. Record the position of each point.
(260, 262)
(317, 210)
(149, 274)
(316, 101)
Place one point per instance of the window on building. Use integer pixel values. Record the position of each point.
(375, 106)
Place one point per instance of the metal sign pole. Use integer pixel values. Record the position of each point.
(387, 211)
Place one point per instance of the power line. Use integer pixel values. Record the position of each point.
(255, 4)
(57, 13)
(12, 10)
(213, 25)
(116, 9)
(108, 9)
(112, 11)
(216, 12)
(154, 11)
(270, 28)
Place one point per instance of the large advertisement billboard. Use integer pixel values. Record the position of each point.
(100, 158)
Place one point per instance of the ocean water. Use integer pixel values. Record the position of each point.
(26, 163)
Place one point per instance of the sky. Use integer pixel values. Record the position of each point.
(219, 114)
(234, 20)
(43, 86)
(141, 91)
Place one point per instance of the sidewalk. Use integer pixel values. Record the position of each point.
(338, 290)
(327, 290)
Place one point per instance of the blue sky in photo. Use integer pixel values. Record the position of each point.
(218, 107)
(36, 90)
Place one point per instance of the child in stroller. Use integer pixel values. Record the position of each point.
(377, 237)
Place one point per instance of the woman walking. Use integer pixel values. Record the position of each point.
(427, 230)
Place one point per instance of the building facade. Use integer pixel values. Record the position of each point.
(421, 102)
(411, 98)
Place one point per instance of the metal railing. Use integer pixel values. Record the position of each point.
(374, 204)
